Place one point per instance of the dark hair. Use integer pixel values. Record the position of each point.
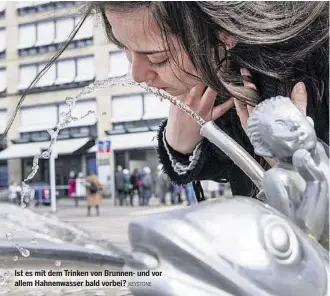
(273, 38)
(283, 40)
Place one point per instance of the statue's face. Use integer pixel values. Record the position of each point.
(287, 130)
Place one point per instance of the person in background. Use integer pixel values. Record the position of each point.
(140, 181)
(176, 194)
(80, 188)
(213, 188)
(120, 184)
(72, 185)
(162, 185)
(134, 186)
(94, 193)
(190, 193)
(126, 185)
(147, 186)
(14, 193)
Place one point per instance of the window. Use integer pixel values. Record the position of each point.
(27, 36)
(79, 132)
(154, 107)
(47, 36)
(118, 64)
(3, 120)
(27, 74)
(48, 78)
(154, 124)
(85, 69)
(118, 128)
(63, 134)
(39, 136)
(39, 118)
(63, 29)
(84, 112)
(31, 7)
(3, 41)
(136, 126)
(3, 80)
(127, 108)
(45, 33)
(86, 30)
(66, 73)
(3, 175)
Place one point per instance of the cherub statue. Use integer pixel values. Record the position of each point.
(298, 184)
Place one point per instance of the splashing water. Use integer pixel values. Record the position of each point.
(34, 241)
(58, 263)
(24, 252)
(4, 277)
(9, 236)
(66, 118)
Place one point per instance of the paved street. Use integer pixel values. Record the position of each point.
(112, 224)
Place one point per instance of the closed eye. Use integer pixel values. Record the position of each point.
(160, 63)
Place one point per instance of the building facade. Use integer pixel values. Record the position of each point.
(30, 34)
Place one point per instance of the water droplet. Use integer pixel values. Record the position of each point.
(15, 258)
(24, 252)
(51, 132)
(45, 154)
(63, 114)
(58, 263)
(69, 101)
(33, 241)
(9, 236)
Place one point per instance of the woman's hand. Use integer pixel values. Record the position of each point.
(182, 131)
(298, 96)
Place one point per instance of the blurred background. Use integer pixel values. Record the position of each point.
(113, 147)
(30, 33)
(125, 119)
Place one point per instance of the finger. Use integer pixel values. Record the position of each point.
(208, 99)
(197, 91)
(247, 79)
(242, 112)
(299, 96)
(248, 83)
(218, 111)
(194, 94)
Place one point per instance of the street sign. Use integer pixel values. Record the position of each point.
(104, 146)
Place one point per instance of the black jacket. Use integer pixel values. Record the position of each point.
(213, 164)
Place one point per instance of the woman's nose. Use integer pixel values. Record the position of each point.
(141, 70)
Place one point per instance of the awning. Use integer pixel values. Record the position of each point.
(131, 141)
(31, 149)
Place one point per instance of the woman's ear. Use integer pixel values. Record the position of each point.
(229, 40)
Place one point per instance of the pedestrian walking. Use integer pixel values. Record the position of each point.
(94, 193)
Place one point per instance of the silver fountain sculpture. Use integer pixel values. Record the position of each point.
(241, 246)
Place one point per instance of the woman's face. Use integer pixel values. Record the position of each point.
(151, 59)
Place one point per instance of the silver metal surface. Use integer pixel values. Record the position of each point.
(234, 151)
(224, 247)
(298, 185)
